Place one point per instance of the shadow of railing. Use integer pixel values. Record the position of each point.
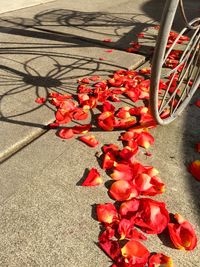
(27, 80)
(69, 29)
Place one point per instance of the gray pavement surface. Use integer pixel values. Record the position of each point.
(46, 218)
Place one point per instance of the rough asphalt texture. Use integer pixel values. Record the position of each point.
(46, 218)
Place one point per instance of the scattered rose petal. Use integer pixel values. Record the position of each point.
(153, 216)
(94, 78)
(106, 213)
(160, 260)
(81, 129)
(135, 253)
(40, 100)
(129, 208)
(93, 178)
(197, 103)
(111, 248)
(90, 140)
(122, 190)
(182, 233)
(194, 169)
(66, 133)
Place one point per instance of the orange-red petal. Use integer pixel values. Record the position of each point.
(40, 100)
(66, 133)
(90, 140)
(106, 213)
(93, 178)
(122, 190)
(81, 129)
(194, 169)
(182, 233)
(160, 260)
(135, 253)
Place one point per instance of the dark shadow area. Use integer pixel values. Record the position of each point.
(93, 211)
(190, 7)
(191, 136)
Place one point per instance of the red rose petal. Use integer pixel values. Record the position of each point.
(40, 100)
(122, 190)
(66, 133)
(93, 178)
(106, 213)
(182, 233)
(135, 253)
(160, 260)
(90, 140)
(197, 103)
(81, 129)
(194, 169)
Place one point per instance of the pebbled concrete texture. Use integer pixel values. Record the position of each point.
(46, 218)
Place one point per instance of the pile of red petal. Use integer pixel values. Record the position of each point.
(127, 223)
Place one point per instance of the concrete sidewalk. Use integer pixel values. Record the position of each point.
(45, 217)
